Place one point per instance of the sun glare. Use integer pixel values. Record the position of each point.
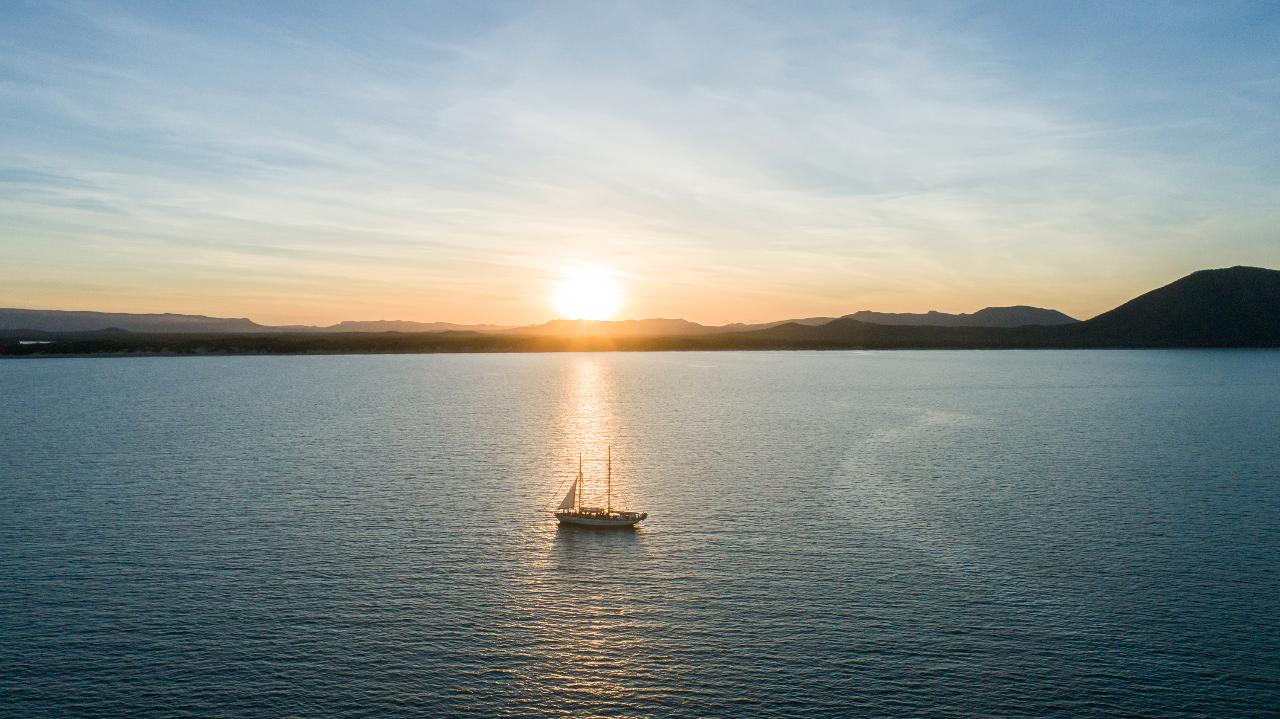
(588, 293)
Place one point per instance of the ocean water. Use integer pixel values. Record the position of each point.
(900, 534)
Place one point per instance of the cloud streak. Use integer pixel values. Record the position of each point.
(735, 161)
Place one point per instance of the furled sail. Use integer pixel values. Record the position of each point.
(567, 502)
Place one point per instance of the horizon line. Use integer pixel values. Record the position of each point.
(502, 326)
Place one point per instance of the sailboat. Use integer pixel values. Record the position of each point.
(571, 510)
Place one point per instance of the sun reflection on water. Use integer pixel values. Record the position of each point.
(587, 424)
(576, 596)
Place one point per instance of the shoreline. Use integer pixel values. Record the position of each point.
(195, 355)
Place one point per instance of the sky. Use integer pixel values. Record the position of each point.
(310, 162)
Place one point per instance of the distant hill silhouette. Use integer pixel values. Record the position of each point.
(404, 326)
(848, 333)
(741, 327)
(1234, 307)
(74, 321)
(1016, 316)
(77, 321)
(989, 317)
(657, 327)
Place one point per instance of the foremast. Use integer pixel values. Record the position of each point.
(576, 496)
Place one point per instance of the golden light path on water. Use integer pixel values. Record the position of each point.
(575, 597)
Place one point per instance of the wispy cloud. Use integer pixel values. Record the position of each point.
(736, 161)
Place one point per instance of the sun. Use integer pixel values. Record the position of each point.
(588, 293)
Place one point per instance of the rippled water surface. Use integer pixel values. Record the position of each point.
(870, 534)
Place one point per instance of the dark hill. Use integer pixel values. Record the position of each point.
(1016, 316)
(74, 321)
(742, 327)
(1236, 307)
(404, 326)
(848, 333)
(1233, 307)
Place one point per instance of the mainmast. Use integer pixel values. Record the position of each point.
(609, 482)
(579, 483)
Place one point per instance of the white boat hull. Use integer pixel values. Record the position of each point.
(590, 521)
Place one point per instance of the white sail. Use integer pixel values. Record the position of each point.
(568, 501)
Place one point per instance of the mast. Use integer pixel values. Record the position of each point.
(578, 494)
(609, 473)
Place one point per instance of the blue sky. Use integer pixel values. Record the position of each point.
(310, 162)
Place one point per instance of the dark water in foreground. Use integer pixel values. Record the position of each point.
(875, 534)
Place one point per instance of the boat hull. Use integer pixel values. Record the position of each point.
(599, 522)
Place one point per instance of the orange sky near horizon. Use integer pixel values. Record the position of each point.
(524, 298)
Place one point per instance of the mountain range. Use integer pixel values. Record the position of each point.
(83, 321)
(78, 321)
(1232, 307)
(1018, 316)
